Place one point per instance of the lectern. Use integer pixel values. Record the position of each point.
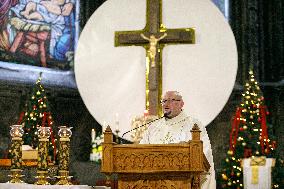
(155, 166)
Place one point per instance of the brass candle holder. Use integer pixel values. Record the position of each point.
(64, 155)
(42, 164)
(16, 133)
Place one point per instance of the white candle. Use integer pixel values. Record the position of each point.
(116, 122)
(93, 135)
(104, 126)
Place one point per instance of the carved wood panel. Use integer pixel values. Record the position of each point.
(151, 161)
(155, 181)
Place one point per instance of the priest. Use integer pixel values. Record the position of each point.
(175, 127)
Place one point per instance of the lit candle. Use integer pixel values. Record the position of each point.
(93, 135)
(116, 122)
(104, 126)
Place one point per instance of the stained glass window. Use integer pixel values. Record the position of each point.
(39, 33)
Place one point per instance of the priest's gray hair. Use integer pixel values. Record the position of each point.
(176, 93)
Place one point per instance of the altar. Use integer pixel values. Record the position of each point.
(31, 186)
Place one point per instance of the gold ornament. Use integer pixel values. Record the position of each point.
(224, 177)
(230, 152)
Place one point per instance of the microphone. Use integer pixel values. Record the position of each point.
(165, 115)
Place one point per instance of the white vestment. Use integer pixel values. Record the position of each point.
(175, 130)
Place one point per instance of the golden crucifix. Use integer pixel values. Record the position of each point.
(153, 38)
(152, 49)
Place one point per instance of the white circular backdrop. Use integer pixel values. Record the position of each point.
(111, 80)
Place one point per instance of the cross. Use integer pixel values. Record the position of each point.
(155, 28)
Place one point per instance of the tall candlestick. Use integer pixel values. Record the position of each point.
(64, 155)
(16, 133)
(42, 164)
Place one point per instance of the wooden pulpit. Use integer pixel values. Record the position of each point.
(155, 166)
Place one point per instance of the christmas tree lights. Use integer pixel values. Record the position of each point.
(37, 114)
(249, 134)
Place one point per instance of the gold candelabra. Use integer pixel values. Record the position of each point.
(16, 133)
(64, 153)
(42, 164)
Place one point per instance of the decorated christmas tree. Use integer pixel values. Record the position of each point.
(249, 135)
(37, 114)
(232, 174)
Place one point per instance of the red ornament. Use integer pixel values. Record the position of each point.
(241, 129)
(21, 118)
(262, 98)
(247, 153)
(274, 144)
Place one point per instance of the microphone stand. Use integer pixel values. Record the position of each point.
(143, 125)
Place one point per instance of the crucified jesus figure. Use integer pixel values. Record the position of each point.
(152, 46)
